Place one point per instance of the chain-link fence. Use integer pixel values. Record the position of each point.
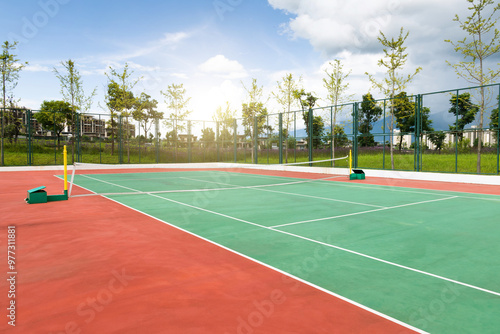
(449, 131)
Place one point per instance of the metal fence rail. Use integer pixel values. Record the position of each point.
(425, 132)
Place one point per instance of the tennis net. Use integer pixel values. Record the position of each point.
(107, 180)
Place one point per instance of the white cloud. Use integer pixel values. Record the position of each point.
(180, 75)
(174, 38)
(37, 68)
(333, 26)
(222, 67)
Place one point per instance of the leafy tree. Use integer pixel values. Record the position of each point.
(335, 83)
(284, 96)
(13, 121)
(437, 138)
(394, 60)
(53, 116)
(483, 42)
(120, 100)
(405, 114)
(172, 137)
(494, 118)
(175, 98)
(464, 110)
(340, 137)
(369, 113)
(208, 137)
(254, 109)
(10, 68)
(73, 93)
(145, 112)
(308, 101)
(225, 118)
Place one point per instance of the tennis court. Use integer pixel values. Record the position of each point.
(414, 258)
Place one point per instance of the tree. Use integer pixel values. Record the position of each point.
(178, 103)
(10, 67)
(73, 93)
(284, 96)
(225, 118)
(13, 121)
(465, 112)
(335, 83)
(484, 42)
(394, 60)
(494, 117)
(369, 113)
(254, 110)
(404, 112)
(207, 137)
(340, 137)
(53, 116)
(307, 102)
(437, 138)
(120, 99)
(145, 112)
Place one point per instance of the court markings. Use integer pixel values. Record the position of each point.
(293, 194)
(363, 212)
(319, 242)
(352, 302)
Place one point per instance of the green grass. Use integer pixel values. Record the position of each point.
(47, 153)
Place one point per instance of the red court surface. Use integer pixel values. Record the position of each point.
(91, 265)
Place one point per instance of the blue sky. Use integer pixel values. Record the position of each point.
(213, 46)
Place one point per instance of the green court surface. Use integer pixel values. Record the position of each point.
(424, 257)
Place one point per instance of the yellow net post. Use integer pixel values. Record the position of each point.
(65, 157)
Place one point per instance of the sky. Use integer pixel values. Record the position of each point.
(216, 47)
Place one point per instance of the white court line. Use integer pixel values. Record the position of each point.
(327, 245)
(331, 293)
(293, 194)
(398, 189)
(113, 184)
(363, 212)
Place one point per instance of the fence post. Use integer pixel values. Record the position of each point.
(29, 137)
(78, 138)
(120, 140)
(157, 139)
(256, 140)
(310, 120)
(498, 132)
(355, 135)
(417, 149)
(189, 140)
(280, 138)
(235, 140)
(217, 140)
(456, 133)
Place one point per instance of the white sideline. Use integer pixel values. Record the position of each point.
(420, 176)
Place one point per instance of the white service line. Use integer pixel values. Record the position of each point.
(363, 212)
(352, 302)
(288, 193)
(330, 245)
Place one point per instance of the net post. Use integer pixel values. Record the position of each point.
(65, 158)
